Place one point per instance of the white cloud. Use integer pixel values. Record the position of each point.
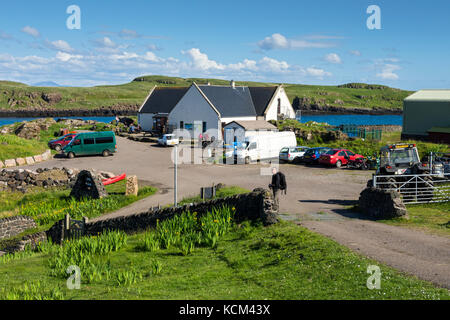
(333, 58)
(201, 61)
(387, 72)
(59, 45)
(94, 68)
(278, 41)
(355, 53)
(31, 31)
(317, 73)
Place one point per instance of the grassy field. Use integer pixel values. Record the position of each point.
(284, 261)
(133, 93)
(431, 218)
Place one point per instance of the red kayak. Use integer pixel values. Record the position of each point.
(114, 179)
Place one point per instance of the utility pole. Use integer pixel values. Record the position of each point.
(175, 168)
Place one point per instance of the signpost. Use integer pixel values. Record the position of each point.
(175, 168)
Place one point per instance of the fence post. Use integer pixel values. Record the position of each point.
(67, 226)
(374, 181)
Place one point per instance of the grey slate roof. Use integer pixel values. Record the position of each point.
(261, 97)
(229, 101)
(163, 99)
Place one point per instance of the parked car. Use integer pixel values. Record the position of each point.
(312, 155)
(292, 154)
(168, 140)
(338, 157)
(59, 143)
(91, 143)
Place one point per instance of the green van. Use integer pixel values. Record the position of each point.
(91, 143)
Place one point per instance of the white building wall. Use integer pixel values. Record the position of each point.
(286, 107)
(193, 107)
(145, 120)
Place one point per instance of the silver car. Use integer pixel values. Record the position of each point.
(292, 154)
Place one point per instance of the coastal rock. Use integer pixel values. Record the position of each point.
(51, 98)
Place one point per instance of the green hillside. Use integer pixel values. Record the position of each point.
(15, 95)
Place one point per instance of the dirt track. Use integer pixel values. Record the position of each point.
(317, 198)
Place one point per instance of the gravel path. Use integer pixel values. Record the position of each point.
(317, 198)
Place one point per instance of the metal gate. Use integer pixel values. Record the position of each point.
(416, 188)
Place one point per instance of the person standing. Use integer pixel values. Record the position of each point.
(277, 185)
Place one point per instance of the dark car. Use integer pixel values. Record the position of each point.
(61, 142)
(312, 155)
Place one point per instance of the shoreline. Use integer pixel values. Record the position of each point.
(132, 111)
(129, 110)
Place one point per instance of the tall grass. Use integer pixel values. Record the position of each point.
(187, 231)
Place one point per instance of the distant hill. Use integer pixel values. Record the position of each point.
(46, 84)
(351, 97)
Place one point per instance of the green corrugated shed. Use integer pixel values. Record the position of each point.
(424, 110)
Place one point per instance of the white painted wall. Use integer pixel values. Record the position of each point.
(286, 107)
(145, 120)
(193, 107)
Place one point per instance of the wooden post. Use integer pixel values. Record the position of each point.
(67, 226)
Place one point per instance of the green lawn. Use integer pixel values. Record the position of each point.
(432, 218)
(283, 261)
(359, 96)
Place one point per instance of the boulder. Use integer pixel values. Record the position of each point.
(38, 158)
(88, 185)
(10, 163)
(381, 204)
(20, 161)
(29, 160)
(1, 164)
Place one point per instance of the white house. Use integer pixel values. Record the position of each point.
(153, 113)
(202, 108)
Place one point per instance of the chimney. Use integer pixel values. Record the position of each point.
(232, 84)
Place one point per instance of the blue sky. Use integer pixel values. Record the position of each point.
(309, 42)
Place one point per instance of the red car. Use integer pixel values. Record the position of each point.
(338, 157)
(61, 142)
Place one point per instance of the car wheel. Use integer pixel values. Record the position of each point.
(105, 153)
(338, 164)
(71, 155)
(296, 160)
(58, 147)
(247, 160)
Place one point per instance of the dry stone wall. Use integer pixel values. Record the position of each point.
(9, 227)
(255, 205)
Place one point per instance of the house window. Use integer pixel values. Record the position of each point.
(279, 106)
(181, 124)
(204, 126)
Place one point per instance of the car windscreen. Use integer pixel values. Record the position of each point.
(331, 152)
(284, 150)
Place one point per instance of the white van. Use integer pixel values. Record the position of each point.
(266, 146)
